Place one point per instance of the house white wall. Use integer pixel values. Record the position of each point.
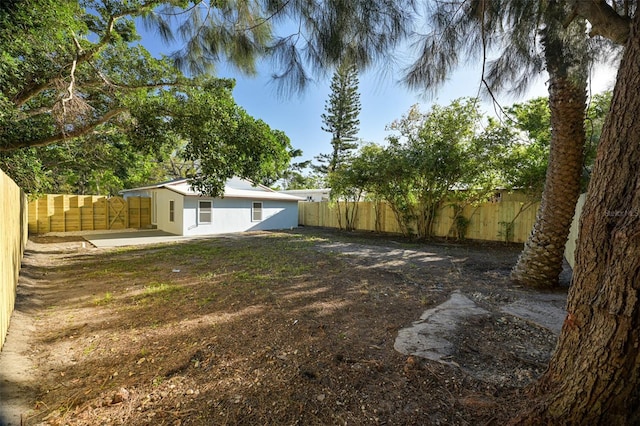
(235, 215)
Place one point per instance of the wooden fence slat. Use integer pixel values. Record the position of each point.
(14, 219)
(487, 221)
(61, 213)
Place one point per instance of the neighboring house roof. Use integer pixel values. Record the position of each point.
(233, 188)
(306, 191)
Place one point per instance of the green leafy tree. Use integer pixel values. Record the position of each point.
(71, 69)
(109, 102)
(297, 180)
(371, 171)
(434, 152)
(175, 165)
(109, 164)
(227, 141)
(528, 159)
(284, 176)
(26, 169)
(387, 178)
(346, 191)
(597, 110)
(436, 157)
(526, 165)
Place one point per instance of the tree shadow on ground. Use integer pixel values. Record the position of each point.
(271, 328)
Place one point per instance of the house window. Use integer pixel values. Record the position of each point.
(256, 211)
(172, 210)
(204, 211)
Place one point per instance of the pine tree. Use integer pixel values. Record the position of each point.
(341, 117)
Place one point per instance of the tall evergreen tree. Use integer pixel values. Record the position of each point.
(341, 117)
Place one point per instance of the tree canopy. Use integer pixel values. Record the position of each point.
(433, 157)
(75, 72)
(68, 67)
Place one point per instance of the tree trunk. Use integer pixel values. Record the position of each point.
(540, 263)
(594, 375)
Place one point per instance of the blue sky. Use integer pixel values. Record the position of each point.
(382, 97)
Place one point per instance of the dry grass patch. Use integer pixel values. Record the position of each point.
(263, 328)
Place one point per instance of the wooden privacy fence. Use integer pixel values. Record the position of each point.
(13, 238)
(63, 213)
(506, 220)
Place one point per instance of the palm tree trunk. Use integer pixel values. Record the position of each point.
(540, 262)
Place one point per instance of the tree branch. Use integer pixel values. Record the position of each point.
(106, 38)
(24, 115)
(126, 87)
(72, 74)
(604, 20)
(24, 97)
(64, 135)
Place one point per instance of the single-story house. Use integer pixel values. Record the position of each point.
(178, 209)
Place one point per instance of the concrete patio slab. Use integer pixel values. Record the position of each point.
(131, 238)
(429, 337)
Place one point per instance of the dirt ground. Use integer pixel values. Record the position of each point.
(269, 328)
